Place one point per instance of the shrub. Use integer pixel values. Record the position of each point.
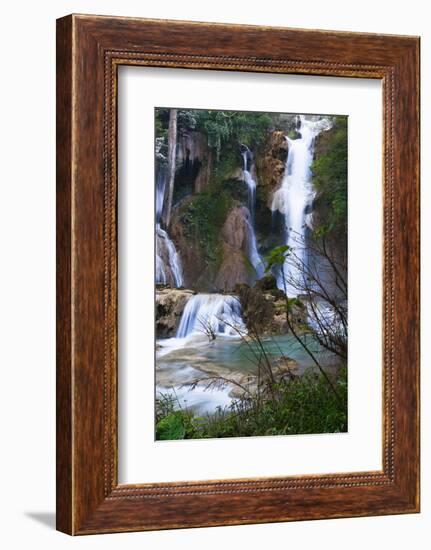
(302, 405)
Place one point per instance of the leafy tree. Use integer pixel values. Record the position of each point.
(222, 127)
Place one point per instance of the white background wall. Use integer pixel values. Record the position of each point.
(27, 308)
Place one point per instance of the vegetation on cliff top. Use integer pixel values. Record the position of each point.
(224, 127)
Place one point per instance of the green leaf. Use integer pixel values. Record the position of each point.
(276, 257)
(170, 427)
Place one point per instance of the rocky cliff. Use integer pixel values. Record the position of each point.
(270, 165)
(235, 235)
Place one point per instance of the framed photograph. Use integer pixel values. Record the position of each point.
(237, 274)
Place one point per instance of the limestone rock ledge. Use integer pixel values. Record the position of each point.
(170, 304)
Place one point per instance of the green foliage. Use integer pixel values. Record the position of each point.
(276, 257)
(161, 122)
(226, 164)
(235, 126)
(217, 125)
(293, 302)
(186, 120)
(330, 179)
(204, 218)
(302, 405)
(251, 128)
(172, 423)
(171, 427)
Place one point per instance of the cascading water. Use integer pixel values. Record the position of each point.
(254, 256)
(211, 313)
(172, 265)
(168, 263)
(160, 194)
(295, 197)
(206, 317)
(251, 184)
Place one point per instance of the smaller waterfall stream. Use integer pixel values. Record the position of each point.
(168, 262)
(254, 256)
(217, 313)
(205, 318)
(251, 184)
(173, 264)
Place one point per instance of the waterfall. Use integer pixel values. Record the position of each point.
(160, 194)
(168, 263)
(251, 184)
(211, 313)
(294, 198)
(253, 254)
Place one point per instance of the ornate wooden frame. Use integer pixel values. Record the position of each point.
(89, 51)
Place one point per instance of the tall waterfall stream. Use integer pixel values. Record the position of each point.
(295, 197)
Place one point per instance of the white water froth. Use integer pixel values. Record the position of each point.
(205, 315)
(215, 313)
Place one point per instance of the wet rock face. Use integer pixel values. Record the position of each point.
(271, 164)
(170, 303)
(258, 311)
(194, 160)
(270, 168)
(191, 257)
(235, 236)
(235, 229)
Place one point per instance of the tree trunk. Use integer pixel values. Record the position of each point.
(172, 148)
